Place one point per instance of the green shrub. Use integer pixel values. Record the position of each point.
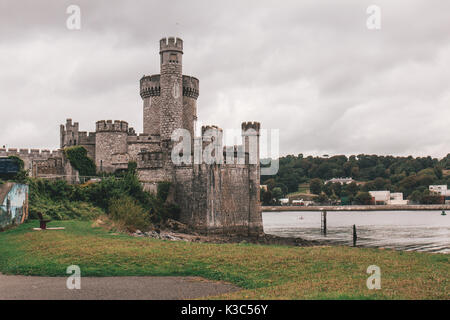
(129, 213)
(19, 162)
(60, 200)
(63, 210)
(77, 156)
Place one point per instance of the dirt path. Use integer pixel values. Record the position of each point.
(110, 288)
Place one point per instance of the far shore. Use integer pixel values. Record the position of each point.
(421, 207)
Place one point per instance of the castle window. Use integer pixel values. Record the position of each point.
(173, 58)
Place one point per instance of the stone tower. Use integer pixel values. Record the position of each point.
(110, 142)
(170, 98)
(171, 82)
(151, 94)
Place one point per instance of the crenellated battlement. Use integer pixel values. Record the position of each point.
(150, 86)
(30, 153)
(110, 126)
(256, 126)
(210, 129)
(171, 44)
(190, 87)
(70, 126)
(86, 137)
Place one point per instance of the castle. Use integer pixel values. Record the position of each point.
(214, 197)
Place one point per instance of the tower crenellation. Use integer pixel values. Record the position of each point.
(150, 86)
(110, 126)
(249, 126)
(190, 87)
(171, 44)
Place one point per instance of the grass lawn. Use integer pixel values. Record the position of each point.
(263, 272)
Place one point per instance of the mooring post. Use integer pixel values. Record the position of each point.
(354, 235)
(324, 222)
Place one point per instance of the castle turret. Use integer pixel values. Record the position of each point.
(151, 94)
(69, 134)
(110, 144)
(250, 139)
(171, 82)
(190, 95)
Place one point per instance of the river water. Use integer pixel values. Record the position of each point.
(402, 230)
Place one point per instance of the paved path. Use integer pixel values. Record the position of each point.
(110, 288)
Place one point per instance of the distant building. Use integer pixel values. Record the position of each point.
(386, 197)
(381, 197)
(397, 198)
(340, 180)
(441, 189)
(284, 201)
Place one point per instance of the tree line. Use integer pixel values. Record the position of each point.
(408, 175)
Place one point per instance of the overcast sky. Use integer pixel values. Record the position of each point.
(311, 69)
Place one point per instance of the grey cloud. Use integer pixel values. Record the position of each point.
(309, 68)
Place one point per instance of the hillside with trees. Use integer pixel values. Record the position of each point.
(408, 175)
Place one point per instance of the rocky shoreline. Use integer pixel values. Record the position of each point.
(176, 231)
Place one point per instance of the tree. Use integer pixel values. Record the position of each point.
(355, 172)
(352, 188)
(416, 196)
(337, 189)
(266, 197)
(315, 186)
(322, 198)
(277, 193)
(363, 198)
(328, 189)
(380, 183)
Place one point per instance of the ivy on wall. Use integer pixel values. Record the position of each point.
(77, 156)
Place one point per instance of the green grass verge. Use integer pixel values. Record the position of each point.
(264, 272)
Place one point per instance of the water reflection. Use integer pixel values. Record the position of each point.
(403, 230)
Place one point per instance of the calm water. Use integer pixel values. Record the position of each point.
(402, 230)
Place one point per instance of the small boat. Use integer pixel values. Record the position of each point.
(443, 213)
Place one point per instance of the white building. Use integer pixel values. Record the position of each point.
(340, 180)
(441, 189)
(397, 198)
(381, 197)
(284, 201)
(386, 197)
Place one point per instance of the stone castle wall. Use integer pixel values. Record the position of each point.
(29, 156)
